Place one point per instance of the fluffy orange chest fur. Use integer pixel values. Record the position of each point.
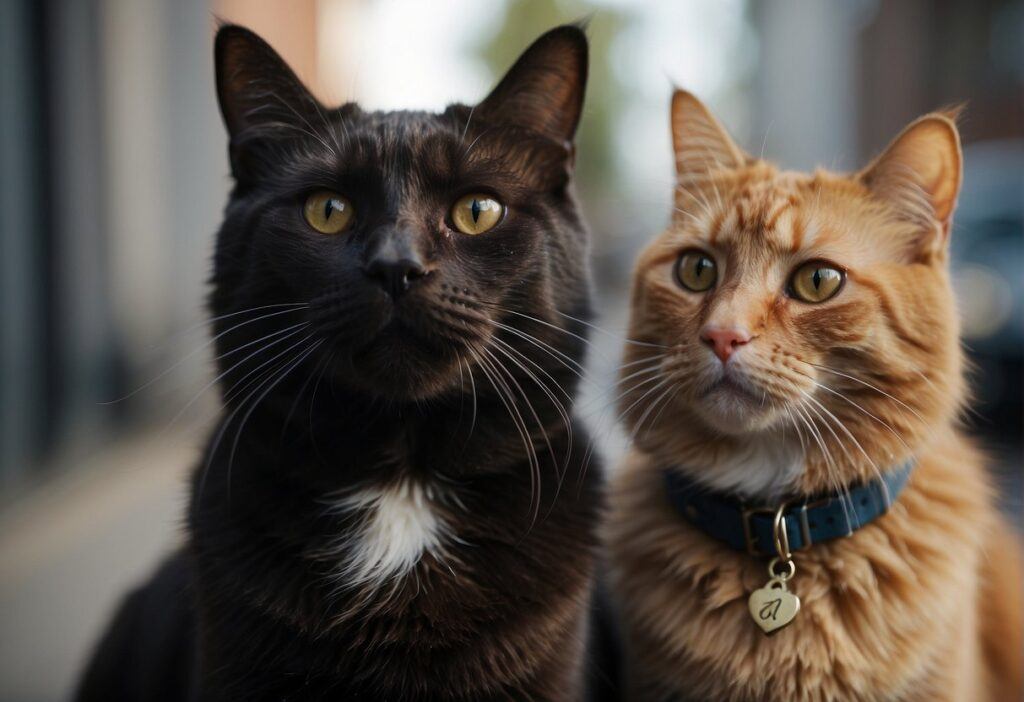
(889, 613)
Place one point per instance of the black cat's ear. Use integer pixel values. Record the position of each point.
(543, 91)
(260, 97)
(700, 142)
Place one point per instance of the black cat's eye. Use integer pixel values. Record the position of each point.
(476, 213)
(815, 281)
(328, 212)
(696, 271)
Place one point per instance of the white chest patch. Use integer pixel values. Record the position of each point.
(400, 523)
(766, 466)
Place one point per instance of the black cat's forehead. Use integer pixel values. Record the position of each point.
(406, 146)
(392, 127)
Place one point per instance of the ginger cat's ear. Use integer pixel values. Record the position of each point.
(920, 173)
(700, 142)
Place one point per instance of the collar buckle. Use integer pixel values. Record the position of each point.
(780, 512)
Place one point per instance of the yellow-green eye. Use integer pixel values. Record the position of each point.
(328, 213)
(696, 271)
(815, 282)
(475, 214)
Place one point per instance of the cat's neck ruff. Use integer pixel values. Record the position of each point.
(762, 466)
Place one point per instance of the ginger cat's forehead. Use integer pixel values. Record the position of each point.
(763, 212)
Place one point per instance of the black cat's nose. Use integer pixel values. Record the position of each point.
(395, 274)
(393, 259)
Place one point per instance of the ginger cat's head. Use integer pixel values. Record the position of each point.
(797, 331)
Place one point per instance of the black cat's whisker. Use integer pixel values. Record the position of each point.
(295, 329)
(462, 393)
(526, 398)
(212, 320)
(261, 382)
(256, 380)
(556, 403)
(567, 361)
(266, 337)
(496, 367)
(555, 327)
(517, 422)
(195, 351)
(543, 322)
(292, 365)
(298, 396)
(312, 399)
(613, 335)
(540, 369)
(231, 392)
(214, 446)
(472, 384)
(559, 407)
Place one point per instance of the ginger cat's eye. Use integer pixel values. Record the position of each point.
(815, 282)
(328, 213)
(696, 271)
(475, 214)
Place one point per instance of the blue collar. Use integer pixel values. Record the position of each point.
(809, 520)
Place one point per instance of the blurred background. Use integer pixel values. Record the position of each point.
(114, 172)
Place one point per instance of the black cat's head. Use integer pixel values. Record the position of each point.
(392, 247)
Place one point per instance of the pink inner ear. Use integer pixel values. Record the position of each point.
(920, 172)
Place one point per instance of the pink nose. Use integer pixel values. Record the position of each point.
(724, 340)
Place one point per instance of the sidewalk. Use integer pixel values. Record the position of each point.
(70, 549)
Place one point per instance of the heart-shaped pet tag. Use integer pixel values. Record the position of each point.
(773, 606)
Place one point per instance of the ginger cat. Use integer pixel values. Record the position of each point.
(798, 338)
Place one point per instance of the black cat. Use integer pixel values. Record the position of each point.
(396, 504)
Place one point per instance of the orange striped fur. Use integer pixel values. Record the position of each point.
(924, 603)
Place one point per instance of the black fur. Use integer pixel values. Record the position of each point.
(459, 385)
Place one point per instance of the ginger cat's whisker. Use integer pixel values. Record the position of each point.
(869, 385)
(862, 410)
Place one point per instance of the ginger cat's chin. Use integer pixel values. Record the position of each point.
(796, 341)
